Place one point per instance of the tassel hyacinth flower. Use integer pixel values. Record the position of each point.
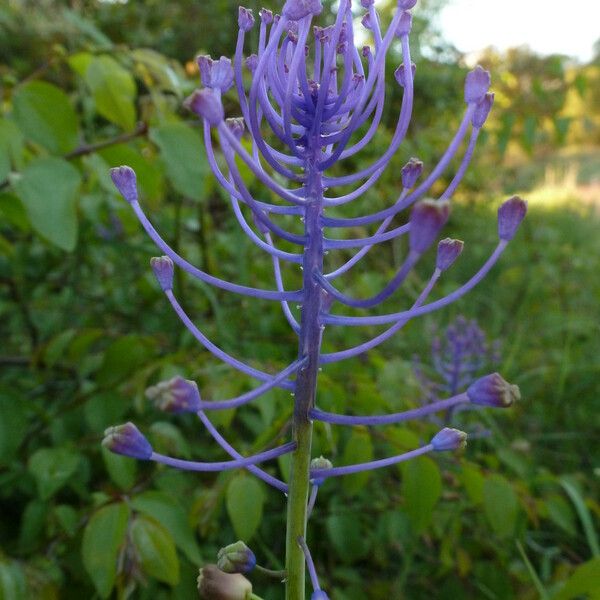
(314, 100)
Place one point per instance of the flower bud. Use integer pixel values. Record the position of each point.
(206, 104)
(216, 74)
(237, 126)
(236, 558)
(245, 19)
(406, 4)
(319, 463)
(213, 584)
(127, 440)
(266, 16)
(298, 9)
(477, 83)
(404, 25)
(366, 51)
(411, 171)
(426, 221)
(125, 181)
(400, 76)
(482, 110)
(510, 215)
(449, 439)
(366, 22)
(319, 595)
(493, 390)
(448, 251)
(163, 271)
(177, 395)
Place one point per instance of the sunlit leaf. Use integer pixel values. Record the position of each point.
(245, 499)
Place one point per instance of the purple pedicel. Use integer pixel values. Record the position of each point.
(305, 111)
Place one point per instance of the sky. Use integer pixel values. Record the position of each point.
(547, 26)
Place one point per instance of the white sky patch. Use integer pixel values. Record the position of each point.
(547, 26)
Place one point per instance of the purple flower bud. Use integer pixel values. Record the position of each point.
(252, 63)
(320, 463)
(449, 439)
(163, 271)
(176, 395)
(341, 48)
(319, 595)
(357, 80)
(406, 4)
(366, 51)
(510, 215)
(482, 110)
(477, 83)
(493, 390)
(426, 221)
(448, 251)
(266, 16)
(245, 19)
(399, 73)
(366, 22)
(206, 104)
(404, 25)
(237, 126)
(216, 74)
(298, 9)
(125, 181)
(213, 584)
(411, 171)
(127, 440)
(236, 558)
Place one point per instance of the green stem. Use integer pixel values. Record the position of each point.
(281, 575)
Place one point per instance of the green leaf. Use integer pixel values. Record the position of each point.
(113, 89)
(103, 538)
(156, 550)
(11, 147)
(585, 581)
(422, 489)
(572, 489)
(500, 505)
(48, 187)
(123, 357)
(245, 499)
(347, 537)
(156, 70)
(182, 151)
(13, 427)
(45, 115)
(473, 481)
(122, 469)
(561, 513)
(12, 581)
(52, 468)
(169, 513)
(358, 449)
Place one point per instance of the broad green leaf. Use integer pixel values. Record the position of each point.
(358, 449)
(48, 188)
(113, 90)
(105, 409)
(245, 499)
(52, 468)
(473, 481)
(585, 582)
(155, 550)
(13, 213)
(170, 515)
(123, 357)
(182, 151)
(569, 484)
(422, 489)
(156, 70)
(33, 523)
(103, 537)
(122, 469)
(346, 536)
(12, 581)
(561, 513)
(167, 438)
(45, 115)
(11, 147)
(67, 518)
(500, 504)
(13, 426)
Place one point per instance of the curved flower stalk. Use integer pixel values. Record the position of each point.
(314, 99)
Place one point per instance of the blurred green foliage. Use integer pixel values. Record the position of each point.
(87, 86)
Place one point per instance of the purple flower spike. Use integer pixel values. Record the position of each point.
(449, 439)
(477, 83)
(236, 126)
(426, 221)
(319, 595)
(236, 558)
(127, 440)
(216, 74)
(510, 215)
(206, 104)
(404, 25)
(214, 584)
(245, 19)
(266, 16)
(448, 251)
(367, 3)
(411, 171)
(399, 73)
(125, 181)
(176, 395)
(163, 270)
(406, 4)
(483, 110)
(298, 9)
(252, 63)
(493, 390)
